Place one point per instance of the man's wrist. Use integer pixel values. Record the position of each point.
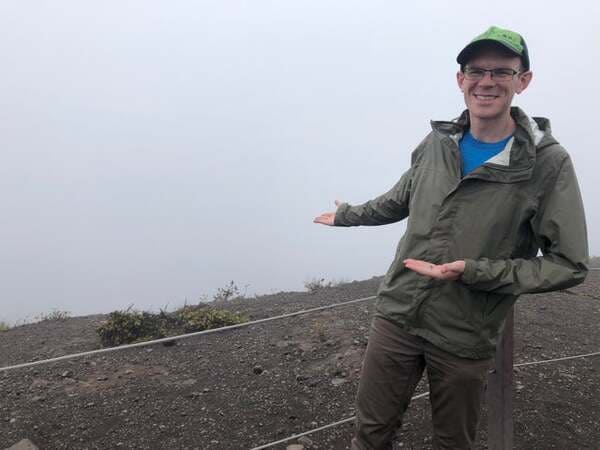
(469, 274)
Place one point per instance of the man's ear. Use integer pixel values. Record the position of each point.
(523, 81)
(460, 78)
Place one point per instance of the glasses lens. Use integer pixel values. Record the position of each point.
(474, 74)
(502, 74)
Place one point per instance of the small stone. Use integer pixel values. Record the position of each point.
(257, 370)
(67, 374)
(102, 378)
(338, 381)
(304, 440)
(13, 420)
(24, 444)
(295, 447)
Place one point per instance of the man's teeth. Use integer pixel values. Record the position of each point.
(487, 97)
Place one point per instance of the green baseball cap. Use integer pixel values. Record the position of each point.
(507, 39)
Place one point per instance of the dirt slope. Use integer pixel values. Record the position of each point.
(246, 387)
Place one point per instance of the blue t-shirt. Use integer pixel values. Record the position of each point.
(474, 153)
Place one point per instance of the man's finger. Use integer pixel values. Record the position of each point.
(422, 267)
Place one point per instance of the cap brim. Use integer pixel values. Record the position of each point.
(467, 52)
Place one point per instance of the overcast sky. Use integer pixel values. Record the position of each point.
(152, 151)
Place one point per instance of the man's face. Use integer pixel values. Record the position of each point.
(488, 98)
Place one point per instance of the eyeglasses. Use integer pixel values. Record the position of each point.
(502, 74)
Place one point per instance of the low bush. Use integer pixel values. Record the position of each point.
(316, 284)
(192, 319)
(124, 327)
(229, 292)
(4, 326)
(55, 314)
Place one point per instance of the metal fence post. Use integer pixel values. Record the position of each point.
(500, 392)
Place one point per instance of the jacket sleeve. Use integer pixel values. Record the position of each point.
(560, 230)
(387, 208)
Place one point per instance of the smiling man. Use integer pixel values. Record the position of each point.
(485, 193)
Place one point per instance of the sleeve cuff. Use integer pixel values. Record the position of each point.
(340, 214)
(469, 275)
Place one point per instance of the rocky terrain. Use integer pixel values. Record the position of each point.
(242, 388)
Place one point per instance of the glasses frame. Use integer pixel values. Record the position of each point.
(493, 73)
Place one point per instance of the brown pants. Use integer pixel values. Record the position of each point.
(392, 367)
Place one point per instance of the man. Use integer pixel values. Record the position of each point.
(484, 193)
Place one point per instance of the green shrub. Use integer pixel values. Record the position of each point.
(55, 314)
(198, 319)
(227, 293)
(4, 326)
(316, 284)
(124, 327)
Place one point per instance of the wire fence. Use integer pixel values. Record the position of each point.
(187, 335)
(181, 336)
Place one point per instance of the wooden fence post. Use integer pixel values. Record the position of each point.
(500, 392)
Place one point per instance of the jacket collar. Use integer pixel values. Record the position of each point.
(517, 160)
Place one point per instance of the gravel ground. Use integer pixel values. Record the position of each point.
(242, 388)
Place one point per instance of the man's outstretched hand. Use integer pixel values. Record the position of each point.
(450, 271)
(328, 217)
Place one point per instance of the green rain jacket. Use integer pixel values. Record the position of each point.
(496, 218)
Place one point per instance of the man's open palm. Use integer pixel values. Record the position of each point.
(450, 271)
(328, 217)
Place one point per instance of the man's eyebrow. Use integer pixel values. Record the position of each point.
(493, 68)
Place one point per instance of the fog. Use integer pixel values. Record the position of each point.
(153, 151)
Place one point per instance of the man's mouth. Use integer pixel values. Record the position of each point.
(485, 96)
